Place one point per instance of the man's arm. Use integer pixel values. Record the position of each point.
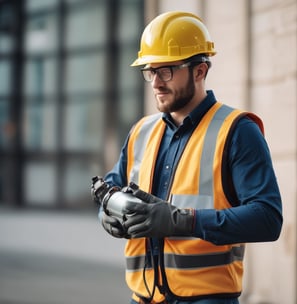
(258, 216)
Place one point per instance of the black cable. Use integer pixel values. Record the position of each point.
(149, 260)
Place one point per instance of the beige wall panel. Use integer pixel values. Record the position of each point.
(229, 93)
(285, 261)
(267, 5)
(273, 95)
(175, 5)
(227, 26)
(270, 277)
(275, 103)
(273, 49)
(263, 281)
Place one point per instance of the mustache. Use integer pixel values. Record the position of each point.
(162, 90)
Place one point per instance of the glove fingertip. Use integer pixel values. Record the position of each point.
(140, 194)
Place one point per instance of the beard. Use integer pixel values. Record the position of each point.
(181, 97)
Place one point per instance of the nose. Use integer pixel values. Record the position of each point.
(157, 81)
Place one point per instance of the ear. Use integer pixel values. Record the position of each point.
(200, 71)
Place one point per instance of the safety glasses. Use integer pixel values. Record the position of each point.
(165, 73)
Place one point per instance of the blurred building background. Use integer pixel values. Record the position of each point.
(67, 95)
(68, 98)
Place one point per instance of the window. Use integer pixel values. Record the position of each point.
(74, 87)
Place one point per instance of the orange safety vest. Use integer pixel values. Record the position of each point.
(191, 268)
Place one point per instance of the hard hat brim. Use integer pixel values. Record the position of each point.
(159, 59)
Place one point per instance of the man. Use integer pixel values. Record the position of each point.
(204, 173)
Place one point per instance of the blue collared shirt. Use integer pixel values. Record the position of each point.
(257, 212)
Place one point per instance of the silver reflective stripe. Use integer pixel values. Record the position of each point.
(205, 198)
(191, 261)
(192, 201)
(207, 158)
(197, 261)
(136, 263)
(140, 145)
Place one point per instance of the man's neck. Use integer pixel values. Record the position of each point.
(179, 116)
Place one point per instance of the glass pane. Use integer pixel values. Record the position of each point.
(5, 77)
(40, 76)
(86, 27)
(129, 23)
(40, 125)
(77, 183)
(6, 43)
(130, 107)
(32, 5)
(7, 18)
(84, 125)
(74, 1)
(40, 183)
(85, 73)
(129, 77)
(7, 180)
(6, 126)
(41, 34)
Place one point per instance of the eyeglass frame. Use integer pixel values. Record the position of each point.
(171, 68)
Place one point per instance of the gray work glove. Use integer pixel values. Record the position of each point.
(157, 218)
(113, 226)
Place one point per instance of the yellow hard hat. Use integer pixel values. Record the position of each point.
(174, 36)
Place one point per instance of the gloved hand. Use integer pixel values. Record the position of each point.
(157, 218)
(113, 226)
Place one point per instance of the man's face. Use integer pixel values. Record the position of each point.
(173, 95)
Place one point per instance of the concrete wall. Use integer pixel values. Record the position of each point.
(256, 69)
(273, 97)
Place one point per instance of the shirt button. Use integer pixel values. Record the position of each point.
(177, 136)
(167, 167)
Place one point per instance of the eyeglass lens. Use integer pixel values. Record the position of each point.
(164, 73)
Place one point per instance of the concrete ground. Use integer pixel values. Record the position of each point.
(59, 257)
